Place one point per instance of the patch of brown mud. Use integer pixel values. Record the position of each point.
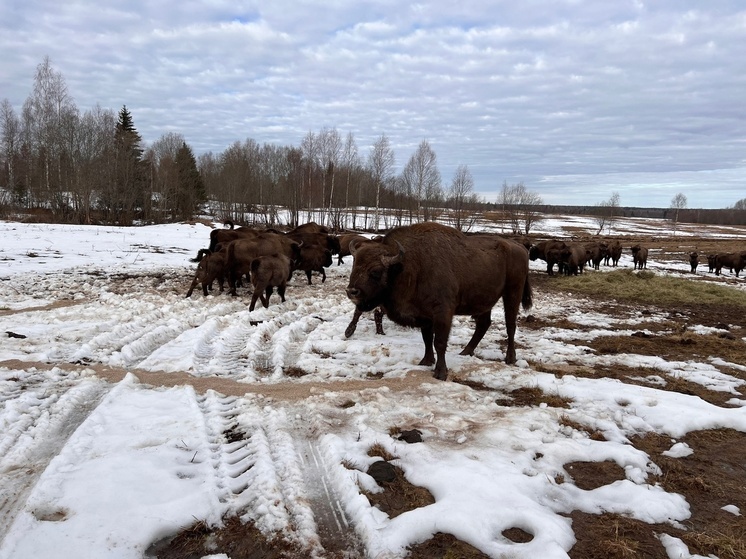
(444, 546)
(50, 307)
(611, 536)
(235, 539)
(592, 475)
(290, 391)
(710, 478)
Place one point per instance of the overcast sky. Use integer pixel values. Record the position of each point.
(576, 99)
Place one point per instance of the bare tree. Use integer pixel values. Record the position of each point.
(420, 176)
(520, 207)
(607, 213)
(459, 194)
(10, 139)
(740, 204)
(330, 153)
(49, 114)
(678, 203)
(381, 166)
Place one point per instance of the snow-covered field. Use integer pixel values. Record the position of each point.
(99, 460)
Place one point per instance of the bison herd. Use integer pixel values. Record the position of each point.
(419, 275)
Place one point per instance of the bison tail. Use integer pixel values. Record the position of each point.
(255, 265)
(201, 254)
(527, 299)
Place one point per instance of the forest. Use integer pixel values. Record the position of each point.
(60, 165)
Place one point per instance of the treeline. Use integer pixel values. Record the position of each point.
(726, 216)
(93, 168)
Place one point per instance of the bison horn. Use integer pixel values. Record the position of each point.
(353, 248)
(389, 260)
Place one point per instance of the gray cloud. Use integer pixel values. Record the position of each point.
(573, 98)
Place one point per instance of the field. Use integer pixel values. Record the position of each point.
(137, 423)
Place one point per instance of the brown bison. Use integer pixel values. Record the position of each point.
(225, 236)
(211, 267)
(547, 251)
(267, 272)
(694, 261)
(712, 260)
(313, 258)
(344, 245)
(736, 261)
(639, 257)
(613, 253)
(595, 252)
(573, 258)
(242, 252)
(424, 274)
(314, 234)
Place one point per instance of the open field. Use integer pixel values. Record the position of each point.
(137, 423)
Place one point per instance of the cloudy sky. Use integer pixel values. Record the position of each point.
(577, 99)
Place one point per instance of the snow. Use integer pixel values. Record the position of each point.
(96, 468)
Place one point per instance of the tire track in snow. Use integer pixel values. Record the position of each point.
(46, 419)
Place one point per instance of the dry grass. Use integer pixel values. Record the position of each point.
(646, 287)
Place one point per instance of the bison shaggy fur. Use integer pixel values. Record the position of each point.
(423, 275)
(267, 272)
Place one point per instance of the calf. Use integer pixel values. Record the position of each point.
(267, 272)
(212, 266)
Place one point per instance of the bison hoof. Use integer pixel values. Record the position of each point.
(440, 375)
(350, 331)
(510, 359)
(427, 362)
(467, 351)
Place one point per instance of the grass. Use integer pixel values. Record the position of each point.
(645, 286)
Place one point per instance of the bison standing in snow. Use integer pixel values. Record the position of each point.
(424, 274)
(267, 272)
(694, 261)
(548, 251)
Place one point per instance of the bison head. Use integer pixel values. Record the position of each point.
(375, 266)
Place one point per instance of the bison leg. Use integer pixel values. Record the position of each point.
(483, 322)
(191, 287)
(427, 337)
(323, 275)
(511, 305)
(442, 330)
(378, 317)
(350, 330)
(281, 292)
(308, 274)
(265, 296)
(254, 297)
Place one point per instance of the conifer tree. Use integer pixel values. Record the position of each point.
(128, 195)
(191, 188)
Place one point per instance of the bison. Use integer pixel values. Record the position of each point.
(694, 261)
(344, 245)
(736, 261)
(242, 252)
(613, 253)
(573, 258)
(639, 257)
(423, 275)
(267, 272)
(313, 258)
(212, 266)
(595, 252)
(547, 251)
